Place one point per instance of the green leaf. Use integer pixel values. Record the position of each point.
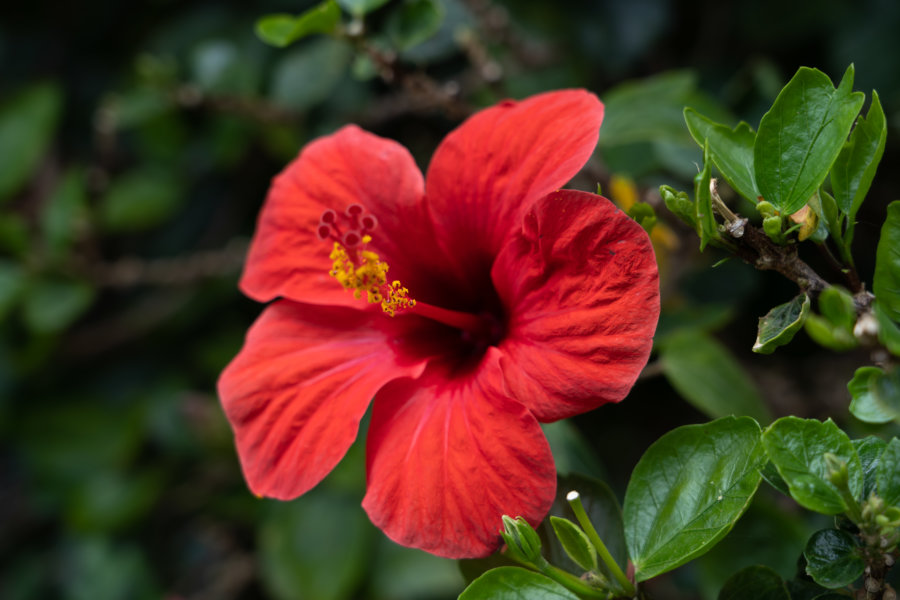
(888, 331)
(644, 214)
(687, 491)
(887, 474)
(703, 211)
(864, 404)
(359, 8)
(307, 75)
(679, 203)
(826, 334)
(281, 30)
(651, 109)
(836, 305)
(855, 166)
(27, 124)
(869, 450)
(604, 512)
(139, 200)
(833, 558)
(515, 583)
(886, 282)
(780, 324)
(575, 542)
(886, 392)
(53, 305)
(774, 478)
(413, 22)
(730, 149)
(797, 448)
(315, 548)
(13, 281)
(755, 583)
(801, 136)
(705, 374)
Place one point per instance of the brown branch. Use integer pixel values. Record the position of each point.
(754, 247)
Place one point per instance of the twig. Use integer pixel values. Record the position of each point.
(753, 246)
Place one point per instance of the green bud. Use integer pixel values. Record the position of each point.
(521, 539)
(766, 209)
(772, 227)
(837, 470)
(679, 203)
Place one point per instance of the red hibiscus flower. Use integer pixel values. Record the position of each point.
(507, 302)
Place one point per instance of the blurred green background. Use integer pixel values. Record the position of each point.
(137, 142)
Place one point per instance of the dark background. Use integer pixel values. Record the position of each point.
(155, 128)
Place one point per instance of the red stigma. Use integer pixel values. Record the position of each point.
(352, 239)
(348, 227)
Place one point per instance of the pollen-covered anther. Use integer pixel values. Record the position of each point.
(355, 266)
(397, 299)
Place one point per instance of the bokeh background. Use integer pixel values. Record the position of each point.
(137, 142)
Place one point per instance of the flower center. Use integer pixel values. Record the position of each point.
(361, 270)
(355, 267)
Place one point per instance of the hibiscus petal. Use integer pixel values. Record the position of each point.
(581, 286)
(488, 171)
(286, 258)
(297, 390)
(449, 455)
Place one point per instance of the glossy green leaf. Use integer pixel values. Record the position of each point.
(575, 542)
(413, 22)
(781, 324)
(800, 137)
(886, 282)
(869, 450)
(27, 124)
(833, 558)
(281, 30)
(730, 149)
(771, 475)
(318, 547)
(687, 491)
(755, 583)
(864, 405)
(887, 474)
(139, 200)
(855, 166)
(888, 331)
(361, 7)
(515, 583)
(705, 374)
(703, 211)
(52, 305)
(797, 448)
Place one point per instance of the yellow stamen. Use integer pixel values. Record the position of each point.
(364, 271)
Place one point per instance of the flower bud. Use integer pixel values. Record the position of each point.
(521, 539)
(837, 470)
